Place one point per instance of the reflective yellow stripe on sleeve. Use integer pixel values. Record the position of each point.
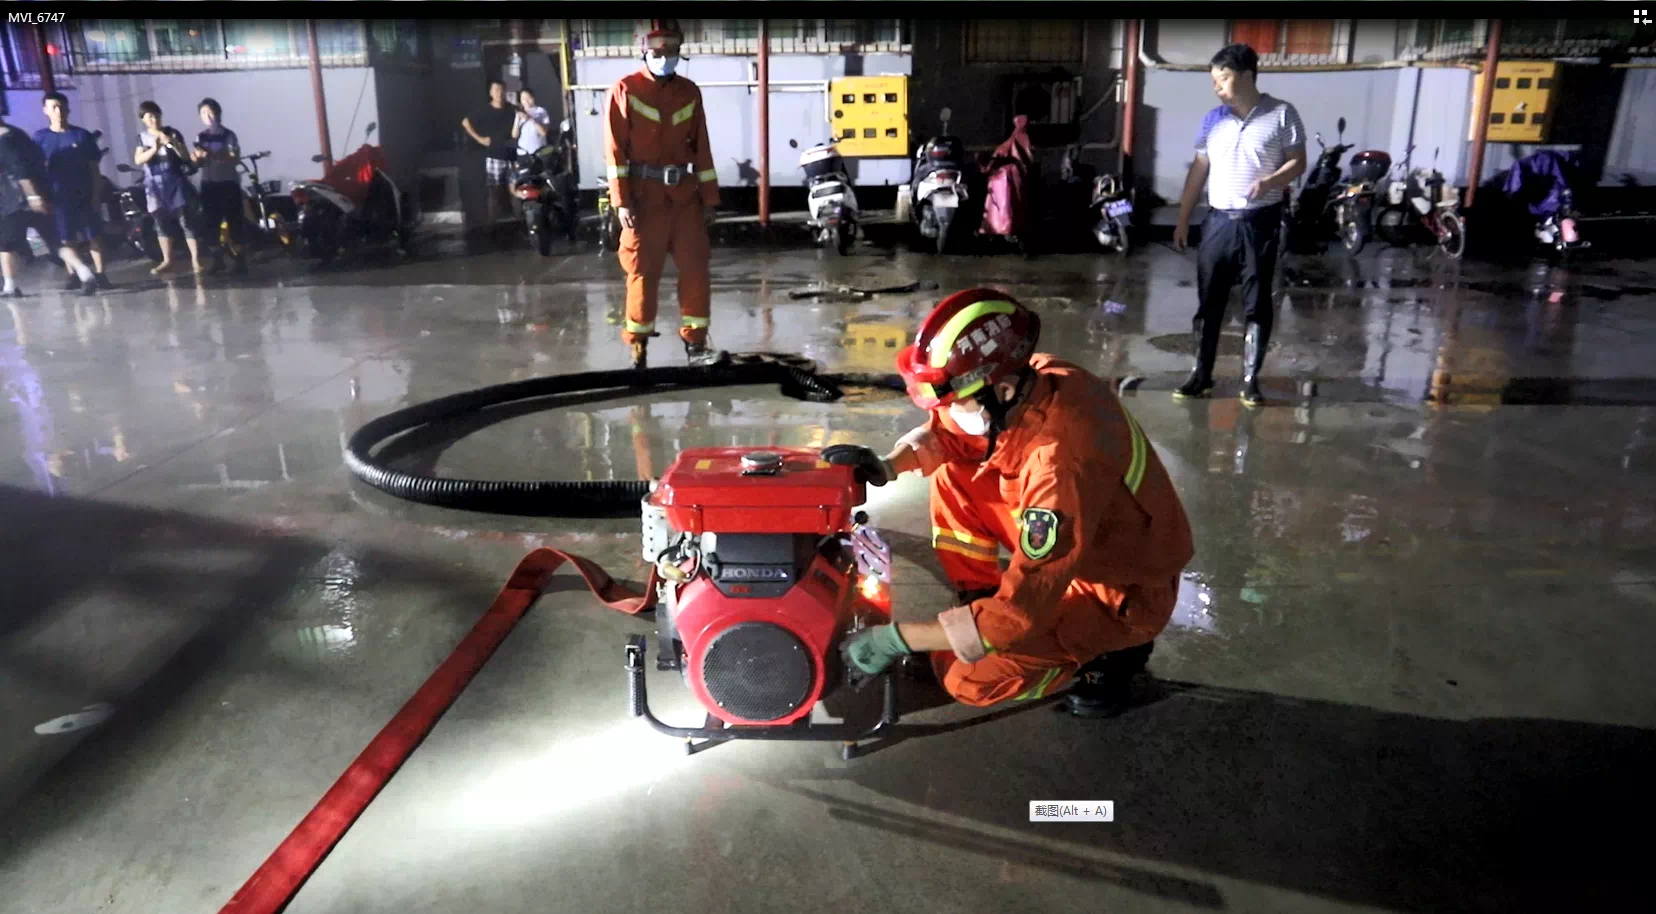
(1141, 454)
(635, 327)
(684, 114)
(616, 171)
(641, 108)
(712, 174)
(695, 323)
(964, 544)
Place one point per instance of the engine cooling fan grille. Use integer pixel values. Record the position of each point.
(757, 671)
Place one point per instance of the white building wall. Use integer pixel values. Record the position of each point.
(268, 109)
(797, 114)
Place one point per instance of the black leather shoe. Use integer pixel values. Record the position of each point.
(72, 284)
(1104, 685)
(1204, 344)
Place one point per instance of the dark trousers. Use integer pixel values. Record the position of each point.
(221, 202)
(1236, 247)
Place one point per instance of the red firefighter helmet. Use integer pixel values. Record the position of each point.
(971, 340)
(664, 36)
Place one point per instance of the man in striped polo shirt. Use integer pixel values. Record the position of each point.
(1248, 151)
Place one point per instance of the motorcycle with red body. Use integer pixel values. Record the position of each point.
(1007, 209)
(355, 204)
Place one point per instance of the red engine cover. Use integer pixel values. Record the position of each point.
(772, 649)
(814, 611)
(707, 490)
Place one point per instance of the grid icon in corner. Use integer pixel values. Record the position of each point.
(1072, 810)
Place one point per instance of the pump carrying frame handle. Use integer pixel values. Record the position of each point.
(638, 705)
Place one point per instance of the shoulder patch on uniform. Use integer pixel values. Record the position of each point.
(1040, 532)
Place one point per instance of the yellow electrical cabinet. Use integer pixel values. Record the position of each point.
(1522, 107)
(869, 115)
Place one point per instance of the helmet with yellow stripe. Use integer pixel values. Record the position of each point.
(970, 342)
(664, 37)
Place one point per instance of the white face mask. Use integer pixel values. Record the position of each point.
(974, 422)
(661, 66)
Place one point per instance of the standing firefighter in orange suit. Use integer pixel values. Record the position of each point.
(1034, 455)
(664, 187)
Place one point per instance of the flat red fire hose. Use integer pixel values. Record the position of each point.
(282, 874)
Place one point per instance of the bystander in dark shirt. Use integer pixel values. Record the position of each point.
(496, 124)
(70, 155)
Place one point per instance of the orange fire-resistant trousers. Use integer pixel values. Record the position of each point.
(664, 227)
(967, 499)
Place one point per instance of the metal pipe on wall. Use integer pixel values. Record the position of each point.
(1130, 58)
(764, 123)
(48, 79)
(1492, 53)
(321, 97)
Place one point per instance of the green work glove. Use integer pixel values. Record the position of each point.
(869, 651)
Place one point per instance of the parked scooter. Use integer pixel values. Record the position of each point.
(1419, 208)
(542, 184)
(1541, 181)
(1353, 202)
(354, 204)
(1311, 215)
(830, 196)
(1114, 206)
(1006, 203)
(939, 186)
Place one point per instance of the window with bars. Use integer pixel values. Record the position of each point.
(1432, 33)
(609, 33)
(185, 37)
(20, 56)
(169, 44)
(616, 37)
(112, 41)
(741, 29)
(1056, 41)
(840, 31)
(1294, 40)
(395, 38)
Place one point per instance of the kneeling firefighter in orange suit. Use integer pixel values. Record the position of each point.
(1035, 455)
(664, 187)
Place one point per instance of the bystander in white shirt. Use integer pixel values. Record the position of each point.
(532, 125)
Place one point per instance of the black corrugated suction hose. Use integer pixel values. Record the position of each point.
(797, 377)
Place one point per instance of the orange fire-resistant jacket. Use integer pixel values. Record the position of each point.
(1074, 451)
(660, 123)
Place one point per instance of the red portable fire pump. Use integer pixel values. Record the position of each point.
(765, 566)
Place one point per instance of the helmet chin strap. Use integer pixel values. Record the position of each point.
(998, 411)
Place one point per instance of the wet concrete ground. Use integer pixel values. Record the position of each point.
(1410, 669)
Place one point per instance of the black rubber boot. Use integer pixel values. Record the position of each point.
(1204, 341)
(1104, 685)
(1253, 359)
